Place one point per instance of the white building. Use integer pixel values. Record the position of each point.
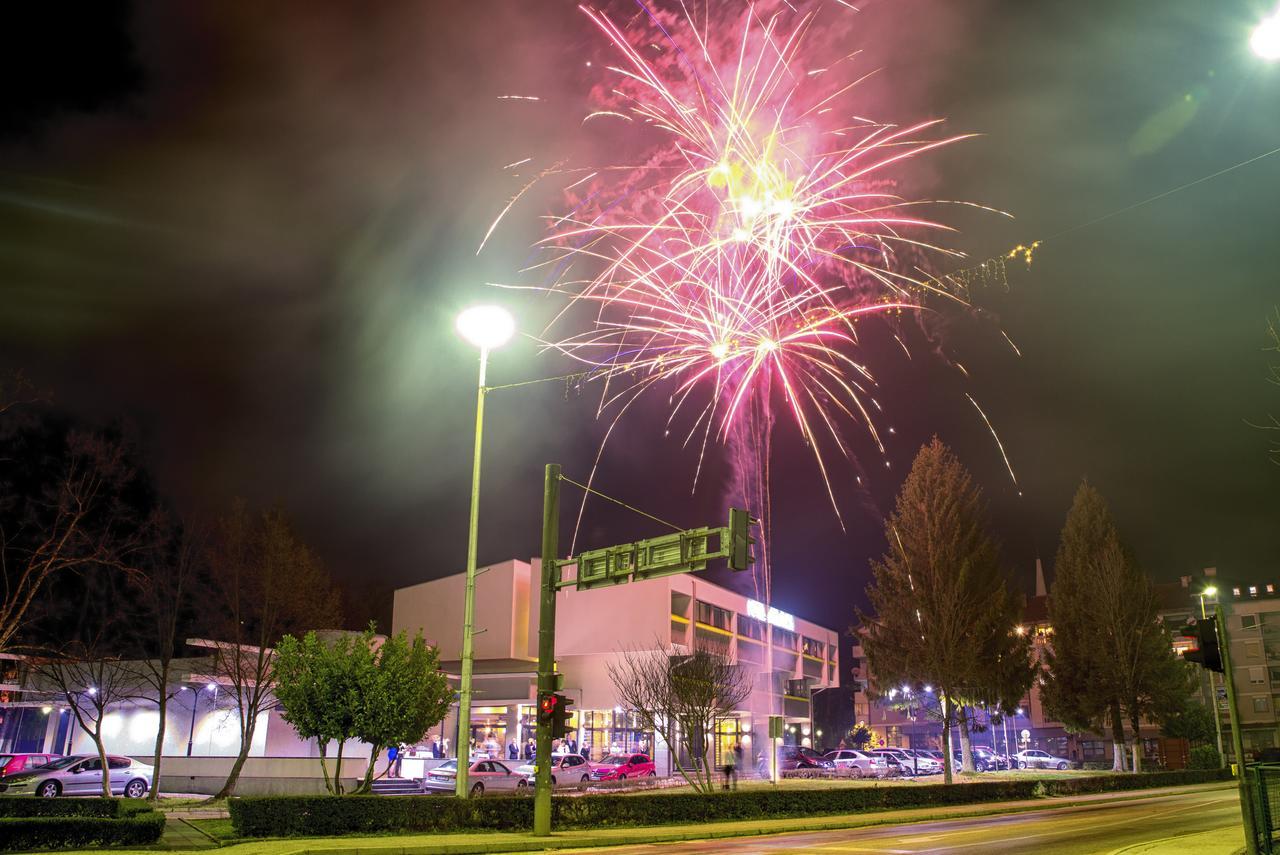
(596, 627)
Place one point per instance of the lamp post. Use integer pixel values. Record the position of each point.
(486, 327)
(1212, 592)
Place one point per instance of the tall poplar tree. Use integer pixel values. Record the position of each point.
(1080, 688)
(943, 614)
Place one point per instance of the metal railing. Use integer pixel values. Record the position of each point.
(1264, 789)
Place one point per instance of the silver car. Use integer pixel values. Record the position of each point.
(482, 776)
(857, 764)
(80, 775)
(567, 770)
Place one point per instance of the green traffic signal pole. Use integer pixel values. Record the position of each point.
(546, 646)
(1237, 739)
(462, 748)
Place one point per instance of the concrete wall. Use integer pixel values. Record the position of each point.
(261, 776)
(435, 609)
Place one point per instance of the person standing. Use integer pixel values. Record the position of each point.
(513, 751)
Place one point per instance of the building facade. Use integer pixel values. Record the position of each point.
(786, 657)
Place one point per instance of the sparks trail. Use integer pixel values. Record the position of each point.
(730, 268)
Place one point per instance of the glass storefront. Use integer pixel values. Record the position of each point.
(606, 732)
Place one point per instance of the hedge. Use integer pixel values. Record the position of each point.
(283, 816)
(139, 828)
(20, 806)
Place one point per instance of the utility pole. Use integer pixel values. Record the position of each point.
(1237, 740)
(547, 645)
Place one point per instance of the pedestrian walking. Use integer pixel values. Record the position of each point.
(731, 768)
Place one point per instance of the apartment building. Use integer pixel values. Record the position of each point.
(787, 657)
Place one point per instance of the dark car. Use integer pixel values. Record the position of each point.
(797, 758)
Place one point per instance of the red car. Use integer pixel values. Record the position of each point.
(619, 767)
(12, 764)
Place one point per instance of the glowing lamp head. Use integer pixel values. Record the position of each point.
(212, 686)
(486, 327)
(46, 710)
(1210, 591)
(1266, 38)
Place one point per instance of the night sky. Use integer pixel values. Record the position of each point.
(246, 230)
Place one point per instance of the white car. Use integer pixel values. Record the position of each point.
(1033, 759)
(567, 770)
(482, 776)
(858, 764)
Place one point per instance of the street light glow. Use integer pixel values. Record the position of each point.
(486, 327)
(1266, 38)
(1211, 591)
(212, 687)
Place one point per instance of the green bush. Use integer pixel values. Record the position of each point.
(1204, 757)
(20, 806)
(281, 816)
(139, 828)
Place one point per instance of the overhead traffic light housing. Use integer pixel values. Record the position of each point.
(547, 702)
(1206, 652)
(741, 556)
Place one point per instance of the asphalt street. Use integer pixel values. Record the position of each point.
(1086, 830)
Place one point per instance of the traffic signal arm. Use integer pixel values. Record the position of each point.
(741, 556)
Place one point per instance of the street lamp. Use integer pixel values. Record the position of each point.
(1266, 38)
(486, 327)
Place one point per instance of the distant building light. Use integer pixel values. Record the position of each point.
(1253, 590)
(1235, 592)
(778, 618)
(1271, 589)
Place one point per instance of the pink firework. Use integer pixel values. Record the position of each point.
(738, 259)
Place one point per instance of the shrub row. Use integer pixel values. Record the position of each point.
(283, 816)
(20, 834)
(18, 806)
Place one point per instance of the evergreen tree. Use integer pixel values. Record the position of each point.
(943, 614)
(1079, 690)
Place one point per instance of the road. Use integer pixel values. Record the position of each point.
(1085, 830)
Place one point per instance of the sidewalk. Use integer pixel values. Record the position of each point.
(484, 843)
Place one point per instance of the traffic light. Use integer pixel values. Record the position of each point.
(1206, 652)
(546, 708)
(560, 716)
(740, 539)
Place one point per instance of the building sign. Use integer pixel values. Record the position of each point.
(772, 615)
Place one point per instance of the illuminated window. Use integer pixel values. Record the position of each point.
(1235, 592)
(1271, 589)
(1253, 590)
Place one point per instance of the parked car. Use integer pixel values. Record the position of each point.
(567, 770)
(12, 764)
(991, 760)
(859, 764)
(983, 760)
(923, 763)
(899, 761)
(80, 774)
(482, 776)
(797, 758)
(619, 767)
(1034, 759)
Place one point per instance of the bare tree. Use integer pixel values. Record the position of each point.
(91, 683)
(164, 591)
(265, 584)
(75, 522)
(680, 696)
